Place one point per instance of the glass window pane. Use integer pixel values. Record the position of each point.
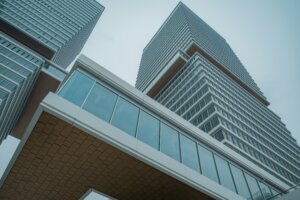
(125, 116)
(169, 142)
(207, 163)
(224, 173)
(252, 183)
(265, 190)
(274, 192)
(240, 182)
(101, 102)
(189, 153)
(148, 129)
(77, 88)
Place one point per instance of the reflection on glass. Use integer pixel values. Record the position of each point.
(125, 116)
(169, 142)
(189, 153)
(265, 190)
(207, 163)
(101, 102)
(224, 173)
(252, 183)
(274, 192)
(241, 185)
(148, 129)
(77, 88)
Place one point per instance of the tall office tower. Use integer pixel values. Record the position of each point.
(190, 69)
(38, 36)
(55, 29)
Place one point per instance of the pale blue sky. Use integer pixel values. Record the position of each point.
(265, 35)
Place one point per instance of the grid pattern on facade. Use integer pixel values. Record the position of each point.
(18, 71)
(180, 31)
(203, 95)
(62, 26)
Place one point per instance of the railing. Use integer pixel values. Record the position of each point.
(285, 192)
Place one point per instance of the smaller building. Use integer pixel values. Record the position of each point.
(99, 132)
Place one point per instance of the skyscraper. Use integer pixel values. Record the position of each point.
(38, 36)
(190, 68)
(56, 29)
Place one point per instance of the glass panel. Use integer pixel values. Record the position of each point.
(224, 173)
(101, 102)
(77, 88)
(219, 135)
(169, 142)
(125, 116)
(240, 182)
(189, 153)
(252, 183)
(274, 192)
(207, 163)
(265, 190)
(148, 129)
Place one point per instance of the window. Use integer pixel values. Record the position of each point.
(148, 129)
(265, 190)
(224, 173)
(220, 135)
(274, 192)
(77, 88)
(169, 142)
(241, 185)
(189, 153)
(125, 116)
(207, 163)
(253, 186)
(101, 102)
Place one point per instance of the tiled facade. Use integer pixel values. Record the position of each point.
(59, 161)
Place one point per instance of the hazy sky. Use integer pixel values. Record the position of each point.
(265, 35)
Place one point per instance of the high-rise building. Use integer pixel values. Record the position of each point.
(38, 39)
(189, 68)
(97, 133)
(55, 29)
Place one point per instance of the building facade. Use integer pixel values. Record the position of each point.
(38, 36)
(18, 72)
(99, 132)
(56, 29)
(190, 69)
